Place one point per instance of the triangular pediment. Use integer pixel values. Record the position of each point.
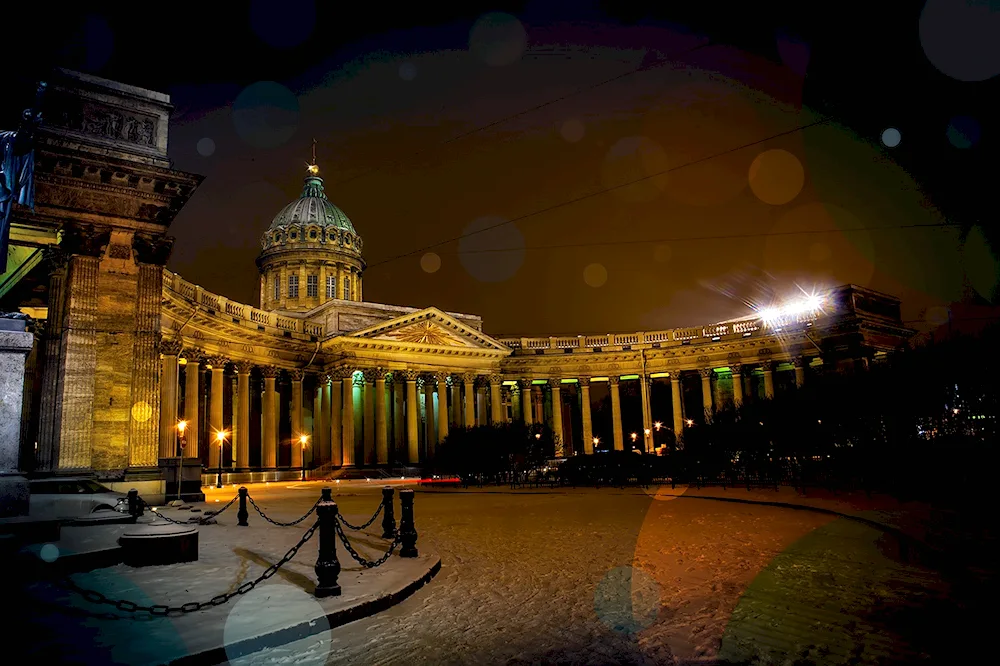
(429, 328)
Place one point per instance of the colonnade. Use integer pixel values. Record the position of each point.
(372, 416)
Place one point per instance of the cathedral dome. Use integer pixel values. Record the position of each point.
(312, 207)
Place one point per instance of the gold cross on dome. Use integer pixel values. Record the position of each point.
(313, 168)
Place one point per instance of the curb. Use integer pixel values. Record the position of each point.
(223, 654)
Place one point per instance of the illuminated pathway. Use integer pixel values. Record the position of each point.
(521, 571)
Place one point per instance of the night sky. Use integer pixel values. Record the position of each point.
(657, 167)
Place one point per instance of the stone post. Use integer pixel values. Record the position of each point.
(768, 368)
(168, 398)
(412, 412)
(381, 436)
(191, 399)
(215, 424)
(737, 370)
(327, 565)
(557, 422)
(242, 438)
(442, 390)
(526, 412)
(407, 528)
(242, 514)
(335, 431)
(616, 413)
(588, 421)
(496, 401)
(15, 345)
(469, 386)
(269, 429)
(298, 424)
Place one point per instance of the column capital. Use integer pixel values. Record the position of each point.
(442, 378)
(389, 378)
(613, 381)
(767, 365)
(524, 383)
(269, 371)
(554, 382)
(243, 367)
(170, 347)
(195, 356)
(469, 378)
(736, 369)
(217, 362)
(340, 374)
(584, 381)
(297, 375)
(55, 257)
(411, 375)
(371, 374)
(357, 380)
(495, 379)
(799, 362)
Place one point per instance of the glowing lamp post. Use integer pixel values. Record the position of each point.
(181, 427)
(645, 441)
(303, 441)
(220, 437)
(597, 440)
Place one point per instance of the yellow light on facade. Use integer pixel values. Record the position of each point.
(647, 431)
(657, 425)
(181, 426)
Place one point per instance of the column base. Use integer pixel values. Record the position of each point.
(15, 494)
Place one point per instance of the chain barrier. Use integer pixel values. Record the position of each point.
(367, 564)
(200, 521)
(275, 522)
(127, 606)
(370, 520)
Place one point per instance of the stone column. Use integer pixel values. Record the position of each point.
(588, 422)
(368, 419)
(412, 409)
(768, 368)
(496, 400)
(381, 438)
(647, 414)
(15, 345)
(234, 389)
(269, 430)
(800, 371)
(298, 423)
(706, 391)
(241, 438)
(469, 381)
(335, 432)
(399, 437)
(537, 404)
(737, 370)
(555, 384)
(215, 424)
(506, 398)
(50, 412)
(442, 387)
(677, 405)
(325, 427)
(481, 402)
(338, 291)
(455, 401)
(191, 399)
(526, 413)
(430, 435)
(168, 398)
(616, 413)
(347, 418)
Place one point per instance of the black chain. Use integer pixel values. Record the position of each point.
(127, 606)
(370, 521)
(367, 564)
(280, 524)
(200, 521)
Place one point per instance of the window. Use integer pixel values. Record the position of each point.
(331, 286)
(312, 286)
(347, 289)
(312, 234)
(293, 236)
(277, 288)
(293, 286)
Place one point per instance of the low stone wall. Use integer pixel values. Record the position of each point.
(242, 478)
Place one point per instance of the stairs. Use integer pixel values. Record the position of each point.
(331, 472)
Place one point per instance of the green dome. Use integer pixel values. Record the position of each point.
(312, 208)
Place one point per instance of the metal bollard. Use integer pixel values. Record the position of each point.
(388, 518)
(134, 505)
(327, 564)
(407, 530)
(243, 514)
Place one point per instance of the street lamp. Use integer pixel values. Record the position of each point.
(645, 442)
(220, 437)
(181, 426)
(690, 422)
(303, 440)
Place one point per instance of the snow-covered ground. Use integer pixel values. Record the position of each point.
(629, 576)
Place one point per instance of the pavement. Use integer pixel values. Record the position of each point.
(278, 610)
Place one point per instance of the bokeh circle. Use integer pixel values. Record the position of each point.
(629, 169)
(430, 262)
(498, 39)
(963, 131)
(407, 71)
(205, 147)
(981, 263)
(266, 114)
(572, 130)
(961, 38)
(891, 137)
(776, 176)
(491, 250)
(595, 275)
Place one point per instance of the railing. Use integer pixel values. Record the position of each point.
(676, 335)
(250, 316)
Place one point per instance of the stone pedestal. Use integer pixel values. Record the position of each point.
(15, 344)
(189, 470)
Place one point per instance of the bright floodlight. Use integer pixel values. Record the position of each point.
(814, 302)
(770, 314)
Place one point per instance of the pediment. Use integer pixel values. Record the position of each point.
(429, 328)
